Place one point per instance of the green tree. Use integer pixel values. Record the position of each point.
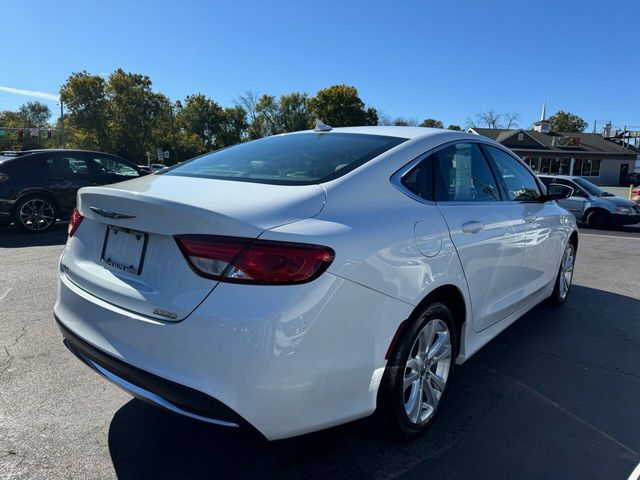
(272, 116)
(200, 116)
(567, 122)
(87, 116)
(233, 127)
(293, 112)
(133, 108)
(432, 123)
(35, 114)
(340, 106)
(454, 127)
(29, 115)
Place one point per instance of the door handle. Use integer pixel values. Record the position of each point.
(472, 227)
(531, 217)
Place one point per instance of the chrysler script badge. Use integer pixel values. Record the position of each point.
(110, 213)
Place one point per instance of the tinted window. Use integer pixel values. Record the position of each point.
(521, 184)
(463, 174)
(65, 165)
(589, 187)
(420, 179)
(298, 159)
(547, 181)
(27, 165)
(108, 165)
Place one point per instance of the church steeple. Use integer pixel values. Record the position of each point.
(543, 125)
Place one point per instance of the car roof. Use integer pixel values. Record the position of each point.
(566, 177)
(395, 131)
(44, 150)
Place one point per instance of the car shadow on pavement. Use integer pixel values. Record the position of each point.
(12, 237)
(530, 404)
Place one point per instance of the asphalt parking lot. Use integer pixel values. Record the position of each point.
(554, 396)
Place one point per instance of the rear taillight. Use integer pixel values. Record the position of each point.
(74, 222)
(263, 262)
(3, 177)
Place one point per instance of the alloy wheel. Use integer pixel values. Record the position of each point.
(566, 271)
(36, 214)
(426, 371)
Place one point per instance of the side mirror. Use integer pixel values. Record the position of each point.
(559, 192)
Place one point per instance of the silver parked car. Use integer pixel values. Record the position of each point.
(592, 205)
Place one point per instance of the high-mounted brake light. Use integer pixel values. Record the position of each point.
(74, 222)
(263, 262)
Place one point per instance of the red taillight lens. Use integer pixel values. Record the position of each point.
(74, 222)
(263, 262)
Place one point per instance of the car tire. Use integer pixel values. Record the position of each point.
(565, 275)
(415, 380)
(35, 213)
(598, 219)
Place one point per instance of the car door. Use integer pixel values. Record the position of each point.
(65, 173)
(484, 228)
(541, 219)
(110, 169)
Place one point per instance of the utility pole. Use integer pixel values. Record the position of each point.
(173, 131)
(61, 124)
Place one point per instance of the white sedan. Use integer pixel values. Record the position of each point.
(306, 280)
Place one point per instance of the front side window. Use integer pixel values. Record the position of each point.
(590, 187)
(112, 166)
(463, 174)
(299, 159)
(520, 183)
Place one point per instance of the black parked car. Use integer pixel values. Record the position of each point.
(39, 186)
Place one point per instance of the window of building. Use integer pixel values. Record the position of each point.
(577, 166)
(545, 165)
(586, 167)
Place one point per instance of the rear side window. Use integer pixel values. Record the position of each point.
(66, 165)
(28, 165)
(463, 175)
(420, 179)
(299, 159)
(521, 184)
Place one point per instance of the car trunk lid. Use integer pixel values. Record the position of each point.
(124, 251)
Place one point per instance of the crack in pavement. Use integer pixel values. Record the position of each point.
(7, 347)
(3, 296)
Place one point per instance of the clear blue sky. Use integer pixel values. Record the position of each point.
(442, 59)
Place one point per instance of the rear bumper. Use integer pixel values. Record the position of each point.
(151, 388)
(285, 360)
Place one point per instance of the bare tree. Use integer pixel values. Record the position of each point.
(510, 120)
(249, 102)
(405, 122)
(491, 119)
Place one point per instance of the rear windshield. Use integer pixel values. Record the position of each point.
(300, 159)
